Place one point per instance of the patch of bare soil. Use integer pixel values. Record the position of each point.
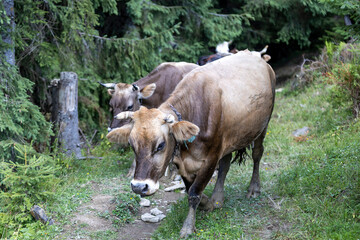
(274, 228)
(143, 230)
(93, 220)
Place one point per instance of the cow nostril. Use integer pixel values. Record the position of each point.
(140, 188)
(145, 189)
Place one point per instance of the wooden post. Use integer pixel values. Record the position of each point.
(65, 113)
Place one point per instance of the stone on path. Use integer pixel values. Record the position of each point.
(301, 132)
(154, 216)
(144, 202)
(177, 185)
(148, 217)
(155, 211)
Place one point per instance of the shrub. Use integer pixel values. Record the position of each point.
(25, 183)
(345, 71)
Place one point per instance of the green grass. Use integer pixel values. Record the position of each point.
(310, 186)
(75, 187)
(316, 179)
(127, 206)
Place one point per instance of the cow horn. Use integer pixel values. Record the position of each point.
(135, 87)
(169, 118)
(108, 85)
(176, 112)
(124, 115)
(264, 50)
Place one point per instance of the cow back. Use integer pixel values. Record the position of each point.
(166, 77)
(231, 100)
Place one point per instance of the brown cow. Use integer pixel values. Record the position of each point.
(227, 105)
(149, 91)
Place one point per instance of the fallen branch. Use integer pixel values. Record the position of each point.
(276, 205)
(89, 157)
(87, 142)
(93, 136)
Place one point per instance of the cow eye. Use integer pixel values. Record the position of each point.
(130, 107)
(160, 147)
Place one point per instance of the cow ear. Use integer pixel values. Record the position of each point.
(120, 135)
(147, 91)
(184, 130)
(266, 57)
(110, 91)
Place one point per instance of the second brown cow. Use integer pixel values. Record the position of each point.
(149, 91)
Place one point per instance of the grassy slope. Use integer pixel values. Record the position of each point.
(315, 180)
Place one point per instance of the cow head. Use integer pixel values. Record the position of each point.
(153, 136)
(126, 97)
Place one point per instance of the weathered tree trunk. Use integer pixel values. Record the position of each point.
(65, 113)
(6, 35)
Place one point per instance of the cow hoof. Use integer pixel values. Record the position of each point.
(218, 204)
(205, 204)
(206, 207)
(217, 200)
(253, 190)
(253, 193)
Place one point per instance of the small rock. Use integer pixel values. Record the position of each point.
(183, 191)
(177, 178)
(155, 211)
(301, 132)
(39, 214)
(147, 217)
(179, 185)
(145, 202)
(161, 216)
(279, 90)
(175, 182)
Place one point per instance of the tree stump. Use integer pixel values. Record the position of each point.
(65, 113)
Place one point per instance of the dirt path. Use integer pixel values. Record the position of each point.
(94, 219)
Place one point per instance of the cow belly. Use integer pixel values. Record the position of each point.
(247, 102)
(241, 128)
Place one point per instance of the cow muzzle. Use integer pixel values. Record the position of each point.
(144, 187)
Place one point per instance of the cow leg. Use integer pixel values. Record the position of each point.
(217, 197)
(257, 152)
(189, 224)
(195, 195)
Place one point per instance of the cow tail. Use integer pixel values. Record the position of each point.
(241, 155)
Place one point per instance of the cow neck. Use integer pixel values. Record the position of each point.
(152, 77)
(177, 144)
